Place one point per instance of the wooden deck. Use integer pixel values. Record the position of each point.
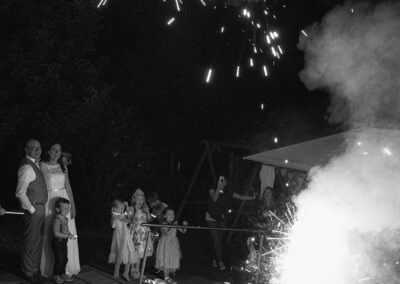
(87, 275)
(91, 275)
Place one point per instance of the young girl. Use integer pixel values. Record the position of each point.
(168, 251)
(122, 248)
(139, 213)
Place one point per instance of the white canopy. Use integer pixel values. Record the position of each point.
(305, 155)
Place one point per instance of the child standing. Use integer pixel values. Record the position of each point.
(59, 244)
(139, 213)
(168, 250)
(122, 248)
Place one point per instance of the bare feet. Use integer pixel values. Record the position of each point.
(116, 275)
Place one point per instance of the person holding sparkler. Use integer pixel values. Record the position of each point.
(122, 248)
(169, 254)
(2, 211)
(218, 208)
(139, 213)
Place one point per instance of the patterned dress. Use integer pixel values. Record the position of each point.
(139, 233)
(168, 254)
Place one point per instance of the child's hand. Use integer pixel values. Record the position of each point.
(70, 236)
(185, 223)
(175, 223)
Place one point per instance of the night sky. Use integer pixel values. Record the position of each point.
(167, 66)
(51, 66)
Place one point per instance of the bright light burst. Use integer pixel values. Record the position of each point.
(253, 21)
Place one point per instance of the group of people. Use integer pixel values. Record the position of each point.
(50, 245)
(132, 241)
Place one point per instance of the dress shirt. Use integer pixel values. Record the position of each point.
(26, 174)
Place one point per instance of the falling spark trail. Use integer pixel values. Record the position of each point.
(209, 75)
(304, 33)
(177, 5)
(170, 21)
(265, 71)
(237, 71)
(202, 2)
(101, 3)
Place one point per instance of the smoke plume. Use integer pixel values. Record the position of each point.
(355, 53)
(349, 216)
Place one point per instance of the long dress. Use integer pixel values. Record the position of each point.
(55, 183)
(122, 249)
(139, 233)
(168, 253)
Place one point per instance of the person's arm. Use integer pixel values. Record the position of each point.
(2, 211)
(183, 230)
(57, 231)
(147, 212)
(243, 197)
(70, 194)
(25, 175)
(166, 231)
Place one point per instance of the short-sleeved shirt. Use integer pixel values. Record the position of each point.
(60, 224)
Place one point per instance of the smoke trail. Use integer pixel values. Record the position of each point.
(349, 217)
(355, 52)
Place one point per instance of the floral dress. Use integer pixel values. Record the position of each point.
(140, 232)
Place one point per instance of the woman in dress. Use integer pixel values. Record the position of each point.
(57, 183)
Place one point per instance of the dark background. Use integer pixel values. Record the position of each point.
(124, 93)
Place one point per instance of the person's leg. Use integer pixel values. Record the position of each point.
(33, 226)
(116, 269)
(166, 273)
(64, 248)
(58, 257)
(216, 240)
(126, 272)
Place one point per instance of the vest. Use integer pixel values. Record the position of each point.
(36, 191)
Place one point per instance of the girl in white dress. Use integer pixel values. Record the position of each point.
(58, 185)
(122, 249)
(168, 255)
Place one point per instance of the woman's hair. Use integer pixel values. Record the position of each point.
(46, 156)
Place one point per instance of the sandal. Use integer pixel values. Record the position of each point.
(135, 274)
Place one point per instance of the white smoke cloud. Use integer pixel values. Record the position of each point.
(355, 53)
(349, 216)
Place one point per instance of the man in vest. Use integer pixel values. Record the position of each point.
(32, 194)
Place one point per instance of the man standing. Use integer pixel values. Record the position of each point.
(32, 194)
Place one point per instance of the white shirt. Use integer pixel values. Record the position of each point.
(26, 174)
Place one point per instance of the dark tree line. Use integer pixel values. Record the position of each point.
(51, 90)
